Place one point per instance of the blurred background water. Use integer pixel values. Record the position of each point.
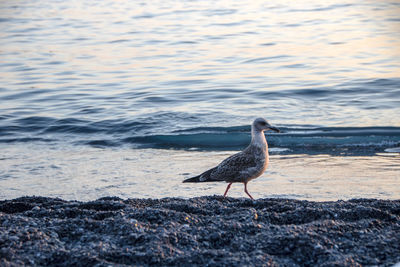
(128, 98)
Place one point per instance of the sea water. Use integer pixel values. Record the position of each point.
(128, 98)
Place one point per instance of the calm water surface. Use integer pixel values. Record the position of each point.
(128, 98)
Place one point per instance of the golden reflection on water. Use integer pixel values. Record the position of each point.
(326, 40)
(264, 46)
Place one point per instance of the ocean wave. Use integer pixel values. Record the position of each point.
(329, 140)
(141, 134)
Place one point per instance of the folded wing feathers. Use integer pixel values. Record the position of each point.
(229, 169)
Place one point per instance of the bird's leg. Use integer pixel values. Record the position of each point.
(227, 188)
(245, 190)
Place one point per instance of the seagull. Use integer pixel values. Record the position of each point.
(243, 166)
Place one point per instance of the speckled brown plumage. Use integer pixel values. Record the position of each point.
(238, 168)
(243, 166)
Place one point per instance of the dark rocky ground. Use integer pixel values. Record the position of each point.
(205, 231)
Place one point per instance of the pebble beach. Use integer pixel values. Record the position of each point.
(202, 231)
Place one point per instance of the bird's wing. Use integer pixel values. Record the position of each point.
(231, 169)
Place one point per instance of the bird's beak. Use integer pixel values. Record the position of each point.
(274, 129)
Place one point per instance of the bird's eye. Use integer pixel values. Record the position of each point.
(263, 123)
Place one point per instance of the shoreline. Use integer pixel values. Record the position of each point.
(200, 231)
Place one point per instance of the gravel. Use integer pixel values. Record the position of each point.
(204, 231)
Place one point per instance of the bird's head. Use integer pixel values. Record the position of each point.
(261, 124)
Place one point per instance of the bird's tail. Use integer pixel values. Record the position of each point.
(204, 177)
(195, 179)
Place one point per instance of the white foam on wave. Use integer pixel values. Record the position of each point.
(278, 149)
(393, 150)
